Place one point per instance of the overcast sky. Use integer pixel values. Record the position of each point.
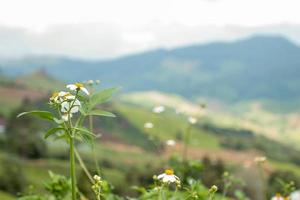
(101, 29)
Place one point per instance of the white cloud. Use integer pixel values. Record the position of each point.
(101, 29)
(38, 14)
(103, 40)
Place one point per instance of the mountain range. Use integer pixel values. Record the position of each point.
(259, 67)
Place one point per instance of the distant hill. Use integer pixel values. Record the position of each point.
(30, 87)
(260, 67)
(39, 80)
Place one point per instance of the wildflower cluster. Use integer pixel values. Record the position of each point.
(96, 187)
(66, 102)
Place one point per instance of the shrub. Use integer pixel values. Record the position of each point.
(12, 176)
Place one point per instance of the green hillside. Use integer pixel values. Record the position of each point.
(30, 87)
(261, 67)
(126, 150)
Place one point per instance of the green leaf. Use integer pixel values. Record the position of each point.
(83, 111)
(53, 131)
(84, 131)
(102, 96)
(86, 135)
(58, 121)
(101, 113)
(89, 140)
(42, 114)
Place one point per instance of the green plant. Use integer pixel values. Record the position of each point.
(12, 176)
(69, 112)
(59, 186)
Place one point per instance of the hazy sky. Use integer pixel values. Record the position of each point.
(98, 28)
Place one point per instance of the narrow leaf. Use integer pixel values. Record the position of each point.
(84, 131)
(101, 113)
(102, 96)
(86, 135)
(53, 131)
(42, 114)
(88, 139)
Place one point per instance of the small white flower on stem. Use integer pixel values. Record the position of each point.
(97, 178)
(168, 177)
(171, 142)
(78, 86)
(90, 82)
(148, 125)
(158, 109)
(192, 120)
(261, 159)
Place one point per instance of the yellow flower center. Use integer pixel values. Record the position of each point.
(169, 172)
(79, 85)
(54, 95)
(67, 94)
(278, 195)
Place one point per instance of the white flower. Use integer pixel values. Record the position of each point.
(168, 177)
(192, 120)
(66, 116)
(97, 178)
(170, 142)
(158, 109)
(97, 81)
(178, 111)
(295, 195)
(277, 197)
(70, 106)
(148, 125)
(59, 97)
(90, 82)
(78, 86)
(260, 159)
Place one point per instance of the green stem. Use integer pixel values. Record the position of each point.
(72, 168)
(81, 163)
(91, 123)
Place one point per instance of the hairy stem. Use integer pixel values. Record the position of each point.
(72, 168)
(82, 165)
(91, 124)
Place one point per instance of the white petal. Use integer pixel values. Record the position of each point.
(158, 109)
(62, 93)
(148, 125)
(65, 106)
(169, 178)
(161, 176)
(192, 120)
(84, 90)
(66, 116)
(76, 106)
(72, 87)
(171, 142)
(74, 109)
(70, 97)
